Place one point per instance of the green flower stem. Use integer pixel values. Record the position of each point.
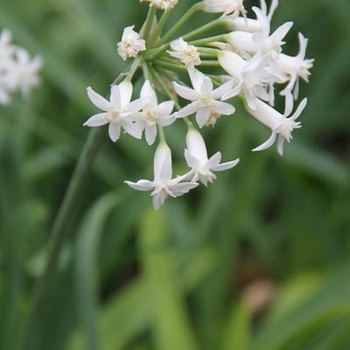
(160, 26)
(208, 52)
(196, 7)
(169, 94)
(149, 21)
(58, 236)
(203, 29)
(135, 65)
(145, 70)
(209, 40)
(171, 66)
(152, 54)
(210, 63)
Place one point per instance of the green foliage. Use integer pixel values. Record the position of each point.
(191, 275)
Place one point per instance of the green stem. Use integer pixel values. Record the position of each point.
(160, 26)
(149, 21)
(169, 94)
(203, 29)
(209, 40)
(171, 66)
(58, 236)
(196, 7)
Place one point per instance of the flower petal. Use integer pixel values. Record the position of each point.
(96, 120)
(99, 101)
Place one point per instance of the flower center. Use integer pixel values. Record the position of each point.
(113, 115)
(150, 115)
(287, 127)
(205, 100)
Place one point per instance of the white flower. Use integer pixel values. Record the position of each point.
(204, 99)
(187, 54)
(253, 77)
(296, 67)
(197, 159)
(153, 114)
(278, 123)
(251, 25)
(25, 73)
(6, 50)
(163, 185)
(162, 4)
(131, 43)
(226, 7)
(118, 112)
(264, 42)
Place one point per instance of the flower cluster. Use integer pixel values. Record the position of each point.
(17, 70)
(244, 58)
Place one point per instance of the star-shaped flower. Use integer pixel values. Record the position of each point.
(154, 114)
(118, 112)
(280, 124)
(131, 43)
(163, 185)
(197, 159)
(187, 54)
(204, 99)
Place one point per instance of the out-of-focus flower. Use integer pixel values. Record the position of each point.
(187, 54)
(197, 159)
(131, 43)
(163, 185)
(118, 112)
(26, 74)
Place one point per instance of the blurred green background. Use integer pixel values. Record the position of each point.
(259, 260)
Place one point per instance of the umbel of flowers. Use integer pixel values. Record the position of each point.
(17, 70)
(244, 59)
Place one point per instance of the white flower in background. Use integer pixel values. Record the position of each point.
(230, 8)
(197, 159)
(162, 4)
(296, 67)
(118, 112)
(163, 185)
(204, 99)
(154, 114)
(280, 124)
(254, 77)
(187, 54)
(17, 70)
(6, 51)
(131, 43)
(25, 75)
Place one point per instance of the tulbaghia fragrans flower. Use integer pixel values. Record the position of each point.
(26, 74)
(280, 124)
(163, 185)
(230, 8)
(162, 4)
(204, 99)
(187, 54)
(118, 112)
(296, 67)
(197, 159)
(254, 77)
(131, 43)
(18, 71)
(154, 114)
